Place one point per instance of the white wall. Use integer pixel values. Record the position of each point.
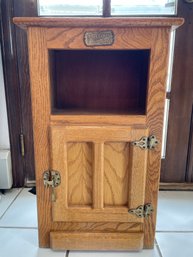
(4, 134)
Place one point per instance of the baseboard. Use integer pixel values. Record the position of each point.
(30, 183)
(176, 186)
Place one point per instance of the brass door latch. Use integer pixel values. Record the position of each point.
(146, 142)
(52, 179)
(142, 211)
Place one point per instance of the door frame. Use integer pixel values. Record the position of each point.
(17, 89)
(11, 79)
(176, 168)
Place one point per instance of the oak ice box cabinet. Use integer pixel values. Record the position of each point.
(98, 92)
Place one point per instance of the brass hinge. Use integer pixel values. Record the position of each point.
(52, 179)
(22, 145)
(142, 211)
(146, 142)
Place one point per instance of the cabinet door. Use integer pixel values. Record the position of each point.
(102, 173)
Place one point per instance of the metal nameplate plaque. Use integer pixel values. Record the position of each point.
(99, 38)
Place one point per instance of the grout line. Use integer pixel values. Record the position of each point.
(11, 203)
(18, 227)
(67, 253)
(159, 250)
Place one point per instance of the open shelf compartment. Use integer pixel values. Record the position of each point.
(99, 81)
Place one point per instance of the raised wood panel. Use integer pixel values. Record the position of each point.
(80, 173)
(116, 173)
(94, 241)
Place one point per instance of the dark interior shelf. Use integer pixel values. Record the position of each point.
(99, 81)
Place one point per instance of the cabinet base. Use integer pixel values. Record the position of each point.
(96, 241)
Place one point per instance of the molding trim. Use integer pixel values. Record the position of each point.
(176, 186)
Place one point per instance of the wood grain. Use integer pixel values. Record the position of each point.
(98, 22)
(62, 135)
(73, 38)
(98, 134)
(137, 176)
(155, 112)
(88, 214)
(116, 173)
(80, 173)
(98, 182)
(94, 241)
(40, 108)
(67, 133)
(59, 162)
(121, 227)
(83, 119)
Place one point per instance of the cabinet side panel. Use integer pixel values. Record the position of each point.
(155, 112)
(38, 57)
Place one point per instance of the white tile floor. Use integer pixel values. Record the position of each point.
(18, 228)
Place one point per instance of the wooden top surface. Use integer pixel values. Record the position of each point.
(24, 22)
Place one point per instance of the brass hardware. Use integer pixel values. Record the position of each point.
(142, 211)
(99, 38)
(146, 142)
(52, 179)
(22, 145)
